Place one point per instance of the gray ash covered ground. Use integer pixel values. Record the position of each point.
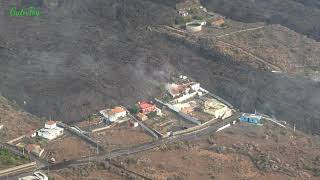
(84, 55)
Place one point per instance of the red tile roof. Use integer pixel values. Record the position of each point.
(118, 109)
(51, 122)
(145, 105)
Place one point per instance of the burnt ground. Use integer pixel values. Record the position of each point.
(81, 56)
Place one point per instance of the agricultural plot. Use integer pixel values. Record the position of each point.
(121, 136)
(8, 159)
(168, 122)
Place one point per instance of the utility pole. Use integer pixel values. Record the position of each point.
(97, 148)
(89, 156)
(48, 166)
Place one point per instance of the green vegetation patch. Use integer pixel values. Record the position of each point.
(8, 158)
(310, 70)
(39, 140)
(198, 17)
(183, 20)
(152, 114)
(193, 11)
(315, 170)
(134, 109)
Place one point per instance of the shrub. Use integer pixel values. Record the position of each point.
(6, 157)
(166, 98)
(131, 160)
(182, 20)
(193, 11)
(91, 117)
(134, 109)
(198, 17)
(224, 25)
(162, 88)
(152, 114)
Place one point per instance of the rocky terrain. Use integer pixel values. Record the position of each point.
(81, 56)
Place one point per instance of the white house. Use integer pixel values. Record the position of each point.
(195, 86)
(114, 114)
(50, 131)
(36, 176)
(183, 13)
(183, 77)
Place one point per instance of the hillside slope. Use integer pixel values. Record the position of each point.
(299, 15)
(243, 151)
(82, 56)
(280, 46)
(15, 121)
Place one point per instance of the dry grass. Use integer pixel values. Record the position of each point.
(16, 122)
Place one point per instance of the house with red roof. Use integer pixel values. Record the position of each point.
(146, 107)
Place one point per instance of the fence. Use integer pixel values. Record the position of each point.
(84, 137)
(150, 131)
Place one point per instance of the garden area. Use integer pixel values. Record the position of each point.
(8, 159)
